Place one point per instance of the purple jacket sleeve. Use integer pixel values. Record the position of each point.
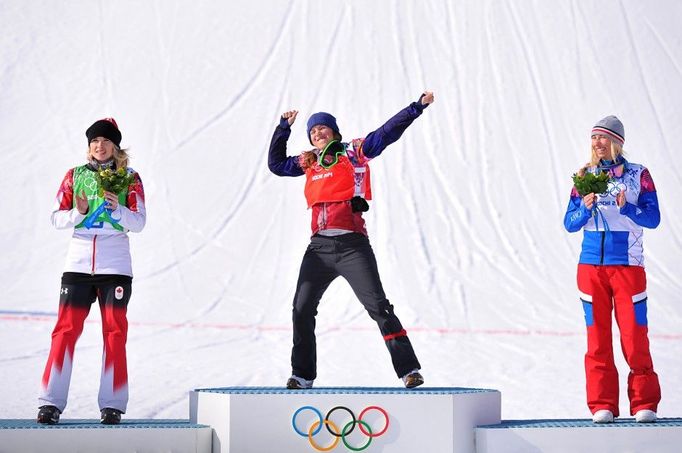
(278, 162)
(377, 141)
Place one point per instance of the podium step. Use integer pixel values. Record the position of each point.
(577, 435)
(69, 435)
(263, 419)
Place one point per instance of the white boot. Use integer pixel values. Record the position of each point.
(645, 416)
(603, 416)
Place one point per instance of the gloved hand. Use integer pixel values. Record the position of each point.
(359, 204)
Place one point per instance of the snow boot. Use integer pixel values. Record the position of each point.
(110, 416)
(603, 416)
(48, 415)
(645, 416)
(298, 383)
(413, 379)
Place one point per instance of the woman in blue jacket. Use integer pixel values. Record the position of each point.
(611, 275)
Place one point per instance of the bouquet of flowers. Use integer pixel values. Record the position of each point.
(591, 183)
(585, 183)
(114, 181)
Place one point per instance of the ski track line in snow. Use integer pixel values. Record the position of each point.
(664, 46)
(534, 76)
(647, 88)
(223, 223)
(49, 317)
(399, 44)
(106, 84)
(595, 52)
(240, 95)
(495, 215)
(168, 59)
(577, 56)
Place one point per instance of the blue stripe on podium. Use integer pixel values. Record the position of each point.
(583, 423)
(346, 390)
(95, 424)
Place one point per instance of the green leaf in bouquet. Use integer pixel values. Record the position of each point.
(591, 183)
(114, 181)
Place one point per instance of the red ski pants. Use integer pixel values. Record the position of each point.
(623, 288)
(78, 293)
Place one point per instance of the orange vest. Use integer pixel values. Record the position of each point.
(340, 182)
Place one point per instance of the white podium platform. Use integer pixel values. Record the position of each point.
(570, 436)
(342, 419)
(68, 436)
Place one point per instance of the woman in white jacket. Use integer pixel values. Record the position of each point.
(98, 267)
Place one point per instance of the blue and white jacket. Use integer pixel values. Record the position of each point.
(613, 235)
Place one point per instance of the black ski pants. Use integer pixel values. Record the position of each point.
(350, 256)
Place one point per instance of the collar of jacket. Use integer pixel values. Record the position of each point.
(96, 165)
(614, 168)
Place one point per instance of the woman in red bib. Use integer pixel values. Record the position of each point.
(337, 187)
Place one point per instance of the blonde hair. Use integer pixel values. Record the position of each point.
(616, 151)
(121, 156)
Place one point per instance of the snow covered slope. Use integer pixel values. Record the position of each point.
(467, 214)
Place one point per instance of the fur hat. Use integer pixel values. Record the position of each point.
(612, 128)
(106, 128)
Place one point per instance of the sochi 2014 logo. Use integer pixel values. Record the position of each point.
(342, 428)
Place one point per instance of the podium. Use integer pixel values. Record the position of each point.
(576, 435)
(373, 420)
(268, 419)
(85, 435)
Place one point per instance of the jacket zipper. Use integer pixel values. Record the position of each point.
(94, 248)
(324, 216)
(603, 237)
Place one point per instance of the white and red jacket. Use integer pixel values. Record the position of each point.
(104, 248)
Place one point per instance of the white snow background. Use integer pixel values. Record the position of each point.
(468, 205)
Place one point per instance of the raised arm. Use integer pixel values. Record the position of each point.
(278, 162)
(393, 129)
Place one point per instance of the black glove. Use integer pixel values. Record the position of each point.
(359, 204)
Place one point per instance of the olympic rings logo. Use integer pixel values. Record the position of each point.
(614, 188)
(340, 435)
(90, 183)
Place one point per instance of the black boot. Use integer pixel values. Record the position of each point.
(48, 415)
(110, 416)
(412, 380)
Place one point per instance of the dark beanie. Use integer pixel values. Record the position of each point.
(612, 128)
(324, 119)
(106, 128)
